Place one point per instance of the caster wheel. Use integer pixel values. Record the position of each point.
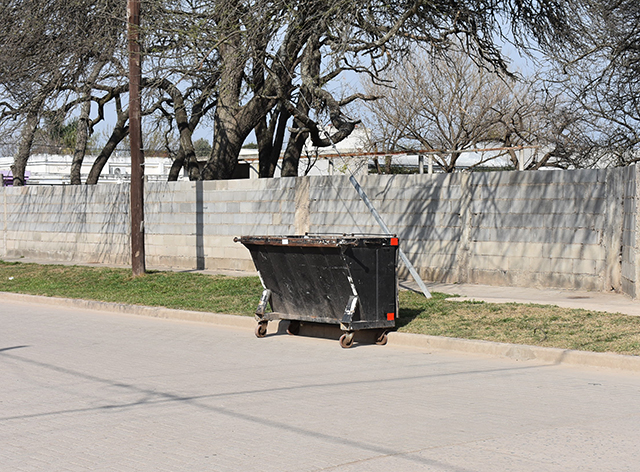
(382, 339)
(294, 328)
(346, 340)
(261, 330)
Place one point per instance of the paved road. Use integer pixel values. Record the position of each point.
(83, 390)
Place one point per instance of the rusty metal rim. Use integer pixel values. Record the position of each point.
(316, 241)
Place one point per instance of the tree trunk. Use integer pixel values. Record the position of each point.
(230, 129)
(176, 166)
(451, 167)
(119, 133)
(270, 140)
(193, 170)
(188, 152)
(229, 122)
(291, 158)
(82, 136)
(387, 164)
(82, 130)
(310, 72)
(376, 162)
(233, 122)
(24, 148)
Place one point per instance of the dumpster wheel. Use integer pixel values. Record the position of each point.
(294, 327)
(346, 340)
(261, 329)
(382, 339)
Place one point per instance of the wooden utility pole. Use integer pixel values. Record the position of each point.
(135, 138)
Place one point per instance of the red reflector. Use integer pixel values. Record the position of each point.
(391, 316)
(394, 241)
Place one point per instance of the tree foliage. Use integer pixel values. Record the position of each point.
(49, 51)
(57, 137)
(604, 80)
(243, 66)
(446, 105)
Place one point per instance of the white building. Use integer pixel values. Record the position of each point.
(348, 156)
(53, 169)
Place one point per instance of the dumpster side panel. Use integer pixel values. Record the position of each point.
(306, 283)
(375, 277)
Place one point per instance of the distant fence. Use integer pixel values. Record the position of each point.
(565, 229)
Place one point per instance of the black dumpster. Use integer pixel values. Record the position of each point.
(346, 280)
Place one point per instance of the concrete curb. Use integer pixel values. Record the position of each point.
(154, 312)
(518, 352)
(512, 351)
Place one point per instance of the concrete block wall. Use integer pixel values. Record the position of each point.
(84, 224)
(187, 224)
(423, 210)
(541, 229)
(192, 224)
(546, 229)
(629, 252)
(570, 229)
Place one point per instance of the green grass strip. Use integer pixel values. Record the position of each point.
(180, 290)
(537, 325)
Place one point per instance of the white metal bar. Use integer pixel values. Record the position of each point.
(378, 218)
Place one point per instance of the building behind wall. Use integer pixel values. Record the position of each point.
(55, 169)
(348, 156)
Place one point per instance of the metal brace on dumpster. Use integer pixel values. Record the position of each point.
(264, 300)
(349, 311)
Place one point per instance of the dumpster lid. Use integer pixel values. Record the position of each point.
(320, 240)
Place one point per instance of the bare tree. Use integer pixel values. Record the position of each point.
(49, 50)
(545, 119)
(243, 64)
(449, 105)
(604, 80)
(444, 104)
(264, 46)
